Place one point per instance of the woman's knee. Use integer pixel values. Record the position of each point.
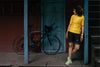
(77, 47)
(70, 44)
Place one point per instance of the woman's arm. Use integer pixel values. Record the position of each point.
(69, 26)
(82, 33)
(82, 30)
(68, 30)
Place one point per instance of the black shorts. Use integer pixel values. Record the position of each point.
(73, 37)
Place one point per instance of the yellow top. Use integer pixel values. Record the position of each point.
(76, 23)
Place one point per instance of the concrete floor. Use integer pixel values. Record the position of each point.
(39, 60)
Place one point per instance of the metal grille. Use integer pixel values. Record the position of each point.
(94, 20)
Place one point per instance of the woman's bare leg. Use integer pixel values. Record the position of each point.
(70, 50)
(77, 46)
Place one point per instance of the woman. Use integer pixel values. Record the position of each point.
(75, 31)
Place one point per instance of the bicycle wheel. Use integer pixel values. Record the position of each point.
(18, 44)
(51, 45)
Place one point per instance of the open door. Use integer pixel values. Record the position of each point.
(53, 13)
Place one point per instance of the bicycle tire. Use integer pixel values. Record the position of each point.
(53, 39)
(22, 42)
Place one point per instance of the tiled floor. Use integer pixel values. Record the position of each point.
(39, 59)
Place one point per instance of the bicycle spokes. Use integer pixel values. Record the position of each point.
(51, 44)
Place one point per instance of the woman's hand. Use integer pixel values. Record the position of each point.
(66, 35)
(81, 38)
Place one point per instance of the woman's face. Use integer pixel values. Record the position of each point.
(74, 11)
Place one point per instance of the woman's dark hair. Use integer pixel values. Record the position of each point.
(79, 10)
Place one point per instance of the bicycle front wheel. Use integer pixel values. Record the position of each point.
(51, 45)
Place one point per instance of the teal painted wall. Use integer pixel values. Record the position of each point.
(53, 11)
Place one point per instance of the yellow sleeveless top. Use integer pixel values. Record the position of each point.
(76, 24)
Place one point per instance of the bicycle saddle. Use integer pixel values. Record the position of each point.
(48, 28)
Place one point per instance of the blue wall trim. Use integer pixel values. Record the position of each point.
(86, 32)
(26, 31)
(64, 26)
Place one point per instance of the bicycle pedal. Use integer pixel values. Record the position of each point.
(34, 47)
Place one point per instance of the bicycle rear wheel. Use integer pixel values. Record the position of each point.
(18, 44)
(51, 45)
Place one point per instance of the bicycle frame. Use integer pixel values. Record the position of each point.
(42, 37)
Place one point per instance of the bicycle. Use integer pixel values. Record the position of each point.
(47, 40)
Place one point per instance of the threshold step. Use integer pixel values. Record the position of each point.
(96, 46)
(97, 62)
(5, 65)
